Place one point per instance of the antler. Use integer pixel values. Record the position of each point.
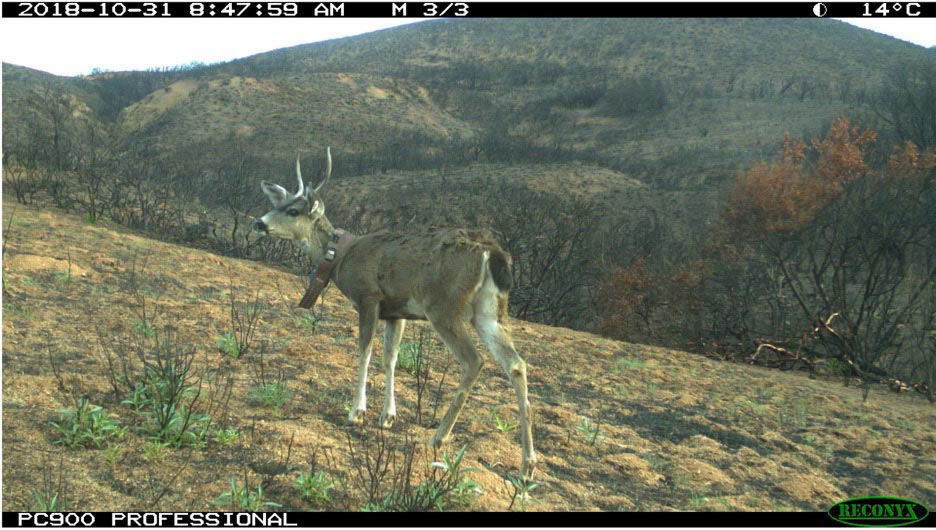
(301, 191)
(327, 169)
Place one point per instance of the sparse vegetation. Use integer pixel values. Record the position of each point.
(389, 474)
(272, 395)
(238, 341)
(314, 487)
(502, 425)
(228, 345)
(55, 495)
(87, 425)
(244, 499)
(520, 495)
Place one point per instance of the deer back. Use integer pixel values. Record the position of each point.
(410, 273)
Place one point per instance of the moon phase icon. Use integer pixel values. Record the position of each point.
(820, 9)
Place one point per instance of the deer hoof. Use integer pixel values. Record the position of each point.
(386, 420)
(356, 416)
(527, 468)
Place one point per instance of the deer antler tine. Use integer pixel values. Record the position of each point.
(328, 169)
(299, 176)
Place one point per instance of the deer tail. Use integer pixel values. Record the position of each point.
(499, 265)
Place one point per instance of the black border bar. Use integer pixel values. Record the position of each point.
(221, 10)
(431, 519)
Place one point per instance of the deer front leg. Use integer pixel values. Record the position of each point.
(392, 336)
(367, 326)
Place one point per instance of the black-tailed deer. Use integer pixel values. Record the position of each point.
(450, 277)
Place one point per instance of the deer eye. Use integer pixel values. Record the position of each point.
(292, 212)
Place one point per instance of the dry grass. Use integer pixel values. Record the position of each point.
(358, 110)
(665, 430)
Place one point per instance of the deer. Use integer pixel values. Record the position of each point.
(451, 277)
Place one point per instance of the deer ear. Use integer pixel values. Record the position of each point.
(275, 192)
(316, 206)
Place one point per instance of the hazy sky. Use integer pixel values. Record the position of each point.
(76, 46)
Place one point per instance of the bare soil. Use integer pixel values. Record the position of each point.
(618, 426)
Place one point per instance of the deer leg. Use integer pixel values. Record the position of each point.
(456, 339)
(367, 326)
(498, 341)
(392, 335)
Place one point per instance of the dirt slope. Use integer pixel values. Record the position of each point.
(618, 426)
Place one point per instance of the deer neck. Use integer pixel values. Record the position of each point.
(317, 241)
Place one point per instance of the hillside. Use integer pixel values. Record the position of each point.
(673, 102)
(619, 426)
(730, 88)
(348, 109)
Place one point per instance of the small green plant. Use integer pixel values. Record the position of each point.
(838, 368)
(155, 451)
(411, 357)
(139, 398)
(521, 492)
(626, 363)
(87, 425)
(270, 391)
(243, 499)
(146, 329)
(225, 437)
(590, 431)
(50, 504)
(503, 425)
(463, 489)
(238, 340)
(166, 398)
(314, 487)
(801, 412)
(229, 346)
(308, 322)
(112, 456)
(17, 309)
(54, 494)
(445, 484)
(756, 408)
(697, 501)
(272, 394)
(764, 395)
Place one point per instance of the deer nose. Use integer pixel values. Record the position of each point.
(259, 226)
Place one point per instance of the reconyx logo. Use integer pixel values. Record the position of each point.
(878, 511)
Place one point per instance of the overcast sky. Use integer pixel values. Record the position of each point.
(76, 46)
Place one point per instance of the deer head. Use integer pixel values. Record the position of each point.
(298, 217)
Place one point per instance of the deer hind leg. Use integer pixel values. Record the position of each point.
(392, 336)
(456, 338)
(367, 327)
(498, 341)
